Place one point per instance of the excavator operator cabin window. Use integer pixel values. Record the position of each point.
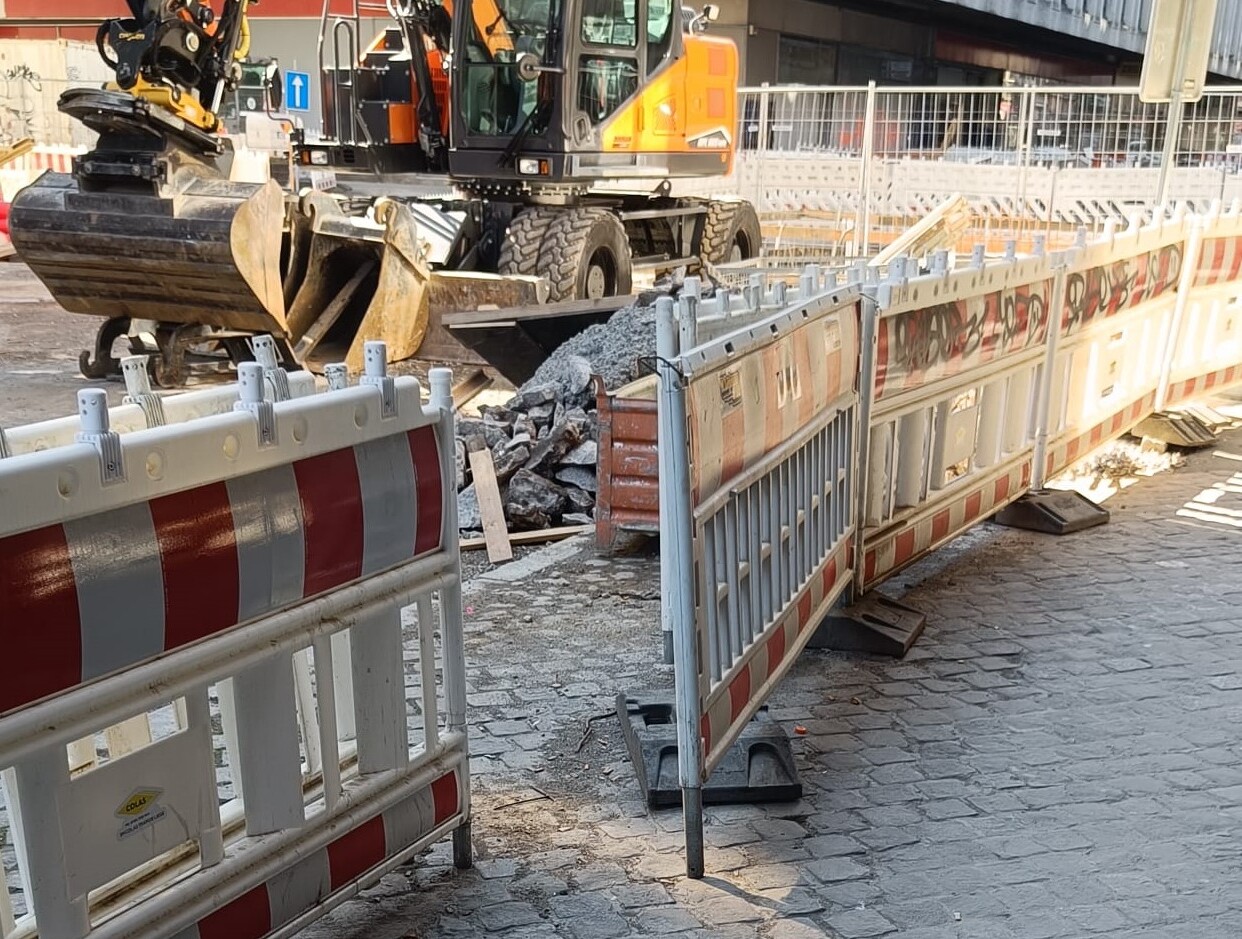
(610, 23)
(495, 100)
(659, 32)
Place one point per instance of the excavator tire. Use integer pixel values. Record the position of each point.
(587, 256)
(730, 233)
(523, 243)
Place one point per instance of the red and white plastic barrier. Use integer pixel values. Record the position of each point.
(969, 388)
(306, 521)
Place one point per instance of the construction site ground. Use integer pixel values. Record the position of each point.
(1058, 756)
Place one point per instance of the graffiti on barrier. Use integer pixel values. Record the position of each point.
(1107, 289)
(923, 345)
(20, 91)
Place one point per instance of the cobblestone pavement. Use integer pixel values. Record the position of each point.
(1057, 757)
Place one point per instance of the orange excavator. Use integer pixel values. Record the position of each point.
(560, 127)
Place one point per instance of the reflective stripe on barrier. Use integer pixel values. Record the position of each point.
(308, 520)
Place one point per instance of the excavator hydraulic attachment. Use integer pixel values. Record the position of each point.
(149, 227)
(353, 279)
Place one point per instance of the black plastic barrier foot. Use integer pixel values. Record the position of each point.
(1052, 511)
(874, 624)
(1177, 429)
(759, 767)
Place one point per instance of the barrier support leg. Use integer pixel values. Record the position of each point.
(463, 851)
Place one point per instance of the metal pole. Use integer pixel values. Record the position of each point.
(869, 313)
(666, 349)
(862, 231)
(761, 145)
(677, 582)
(1173, 129)
(1172, 132)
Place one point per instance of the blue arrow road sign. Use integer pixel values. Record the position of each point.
(297, 91)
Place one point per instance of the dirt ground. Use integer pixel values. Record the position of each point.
(39, 347)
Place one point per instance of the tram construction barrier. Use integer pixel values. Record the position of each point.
(846, 436)
(159, 564)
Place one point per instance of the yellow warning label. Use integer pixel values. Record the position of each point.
(138, 802)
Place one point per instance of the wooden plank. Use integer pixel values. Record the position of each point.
(495, 529)
(332, 312)
(470, 388)
(538, 536)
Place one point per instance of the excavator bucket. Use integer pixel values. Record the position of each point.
(353, 279)
(199, 250)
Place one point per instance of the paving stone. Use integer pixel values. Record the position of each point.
(504, 916)
(641, 895)
(663, 921)
(832, 870)
(857, 924)
(794, 928)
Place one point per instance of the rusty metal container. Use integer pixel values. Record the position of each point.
(627, 472)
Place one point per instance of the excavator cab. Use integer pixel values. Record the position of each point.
(550, 95)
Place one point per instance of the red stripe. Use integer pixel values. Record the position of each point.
(331, 498)
(974, 503)
(1097, 434)
(1001, 490)
(39, 628)
(198, 557)
(356, 852)
(425, 451)
(1211, 381)
(804, 610)
(247, 917)
(776, 650)
(1071, 451)
(904, 546)
(739, 693)
(830, 576)
(869, 566)
(1026, 473)
(445, 795)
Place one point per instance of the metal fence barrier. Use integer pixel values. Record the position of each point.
(840, 171)
(303, 520)
(756, 511)
(965, 386)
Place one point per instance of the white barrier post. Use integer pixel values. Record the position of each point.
(452, 634)
(1185, 285)
(1043, 403)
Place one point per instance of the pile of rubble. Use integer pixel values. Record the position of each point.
(544, 441)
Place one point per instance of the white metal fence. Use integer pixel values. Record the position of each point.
(843, 171)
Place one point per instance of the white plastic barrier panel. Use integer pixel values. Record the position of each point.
(1117, 308)
(953, 365)
(757, 432)
(1205, 354)
(162, 563)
